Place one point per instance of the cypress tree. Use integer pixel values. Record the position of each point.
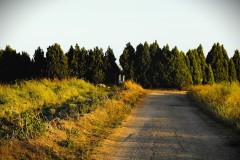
(9, 68)
(70, 55)
(173, 69)
(111, 68)
(180, 74)
(154, 50)
(127, 60)
(187, 61)
(56, 62)
(163, 66)
(14, 66)
(232, 71)
(218, 59)
(197, 64)
(82, 57)
(236, 60)
(72, 61)
(25, 66)
(194, 66)
(202, 64)
(209, 74)
(96, 66)
(39, 62)
(138, 66)
(142, 64)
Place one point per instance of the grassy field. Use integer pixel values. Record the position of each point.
(34, 94)
(63, 119)
(221, 100)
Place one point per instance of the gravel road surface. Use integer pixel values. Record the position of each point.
(168, 125)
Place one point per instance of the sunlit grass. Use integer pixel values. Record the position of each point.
(81, 116)
(223, 100)
(35, 94)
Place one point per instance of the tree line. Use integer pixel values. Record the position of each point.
(92, 65)
(155, 67)
(148, 65)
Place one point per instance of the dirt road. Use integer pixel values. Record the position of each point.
(168, 126)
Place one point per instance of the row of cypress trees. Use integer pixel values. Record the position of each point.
(148, 65)
(92, 65)
(155, 67)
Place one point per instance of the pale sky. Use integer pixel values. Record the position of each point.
(27, 24)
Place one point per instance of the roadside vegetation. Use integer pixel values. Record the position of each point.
(60, 119)
(221, 100)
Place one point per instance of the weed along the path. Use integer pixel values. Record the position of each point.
(220, 100)
(60, 119)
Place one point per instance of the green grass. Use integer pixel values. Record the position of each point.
(64, 119)
(28, 95)
(29, 106)
(221, 100)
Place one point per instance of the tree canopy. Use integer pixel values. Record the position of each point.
(218, 59)
(236, 60)
(148, 65)
(56, 62)
(127, 61)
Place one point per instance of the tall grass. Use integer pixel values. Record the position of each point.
(34, 94)
(78, 117)
(29, 106)
(222, 100)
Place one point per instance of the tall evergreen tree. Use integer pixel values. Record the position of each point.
(8, 65)
(111, 68)
(142, 64)
(194, 66)
(180, 74)
(155, 52)
(236, 60)
(127, 61)
(197, 63)
(202, 64)
(73, 61)
(96, 66)
(82, 57)
(25, 66)
(70, 55)
(163, 66)
(232, 71)
(39, 62)
(173, 69)
(154, 49)
(209, 74)
(187, 61)
(56, 62)
(14, 66)
(218, 59)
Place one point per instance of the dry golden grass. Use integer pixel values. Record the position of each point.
(223, 100)
(76, 138)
